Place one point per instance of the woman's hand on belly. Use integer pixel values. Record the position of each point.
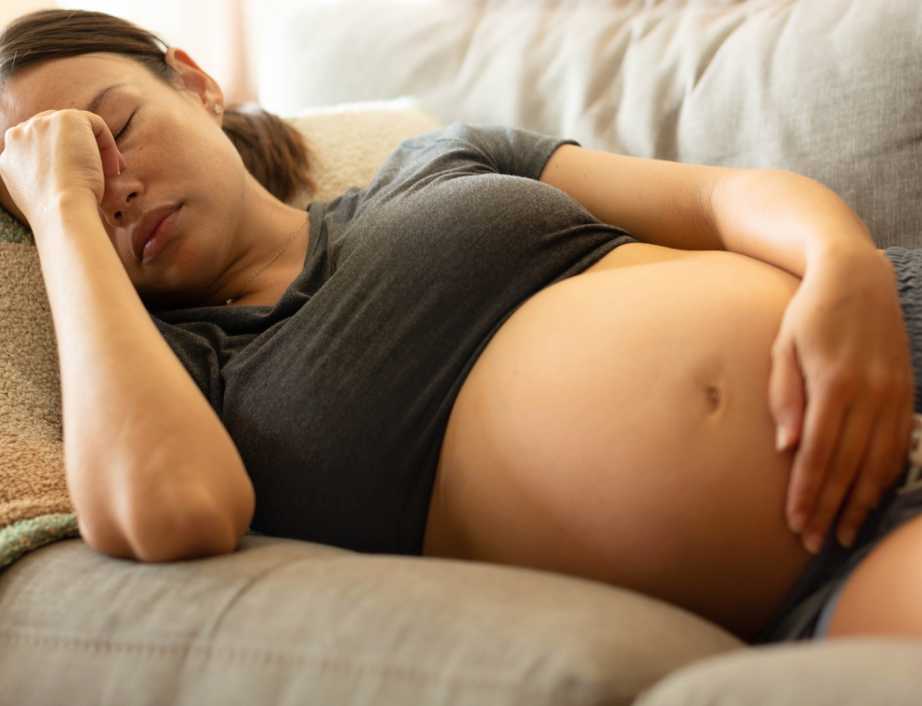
(842, 381)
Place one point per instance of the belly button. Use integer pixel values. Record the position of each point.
(712, 392)
(710, 376)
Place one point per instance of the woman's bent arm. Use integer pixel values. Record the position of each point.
(776, 216)
(151, 470)
(785, 219)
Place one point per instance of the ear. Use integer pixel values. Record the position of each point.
(192, 78)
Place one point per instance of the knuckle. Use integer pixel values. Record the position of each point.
(49, 119)
(840, 381)
(879, 382)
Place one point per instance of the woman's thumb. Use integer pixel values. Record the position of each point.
(786, 393)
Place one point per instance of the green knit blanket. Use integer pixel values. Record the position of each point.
(22, 536)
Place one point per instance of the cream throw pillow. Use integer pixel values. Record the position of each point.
(349, 141)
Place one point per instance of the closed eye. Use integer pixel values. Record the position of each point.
(125, 128)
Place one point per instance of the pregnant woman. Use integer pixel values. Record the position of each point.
(506, 348)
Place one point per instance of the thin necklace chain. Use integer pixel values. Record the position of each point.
(277, 255)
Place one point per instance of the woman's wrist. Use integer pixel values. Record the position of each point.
(840, 255)
(63, 207)
(787, 220)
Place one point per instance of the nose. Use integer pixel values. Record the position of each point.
(119, 206)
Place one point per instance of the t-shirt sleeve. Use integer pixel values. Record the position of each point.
(194, 346)
(507, 150)
(461, 148)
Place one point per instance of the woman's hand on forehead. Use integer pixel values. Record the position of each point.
(57, 152)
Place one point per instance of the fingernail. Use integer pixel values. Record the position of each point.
(847, 537)
(797, 522)
(814, 543)
(781, 438)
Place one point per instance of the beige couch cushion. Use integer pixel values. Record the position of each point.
(868, 671)
(283, 622)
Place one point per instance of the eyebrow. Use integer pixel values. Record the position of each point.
(93, 106)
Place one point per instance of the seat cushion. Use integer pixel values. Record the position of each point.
(843, 672)
(282, 621)
(829, 89)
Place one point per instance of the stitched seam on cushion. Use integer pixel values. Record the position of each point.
(269, 657)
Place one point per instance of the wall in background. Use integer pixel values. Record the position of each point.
(211, 31)
(11, 9)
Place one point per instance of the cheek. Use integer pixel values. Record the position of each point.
(192, 160)
(205, 160)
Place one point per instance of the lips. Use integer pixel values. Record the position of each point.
(144, 231)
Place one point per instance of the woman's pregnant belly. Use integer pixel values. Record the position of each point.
(617, 428)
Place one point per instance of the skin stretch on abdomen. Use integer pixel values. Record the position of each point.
(617, 427)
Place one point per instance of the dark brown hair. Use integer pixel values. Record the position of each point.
(273, 151)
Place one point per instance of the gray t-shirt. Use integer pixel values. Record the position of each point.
(338, 397)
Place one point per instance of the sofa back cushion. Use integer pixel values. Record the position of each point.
(829, 89)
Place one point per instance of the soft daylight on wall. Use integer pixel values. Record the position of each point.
(209, 30)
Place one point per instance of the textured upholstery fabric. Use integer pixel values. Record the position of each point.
(852, 672)
(829, 89)
(286, 623)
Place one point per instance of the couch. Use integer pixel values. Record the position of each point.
(829, 89)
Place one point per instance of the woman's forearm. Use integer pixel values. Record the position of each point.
(149, 464)
(785, 219)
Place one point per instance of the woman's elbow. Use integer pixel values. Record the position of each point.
(190, 535)
(167, 537)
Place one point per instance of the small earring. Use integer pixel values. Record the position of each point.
(217, 109)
